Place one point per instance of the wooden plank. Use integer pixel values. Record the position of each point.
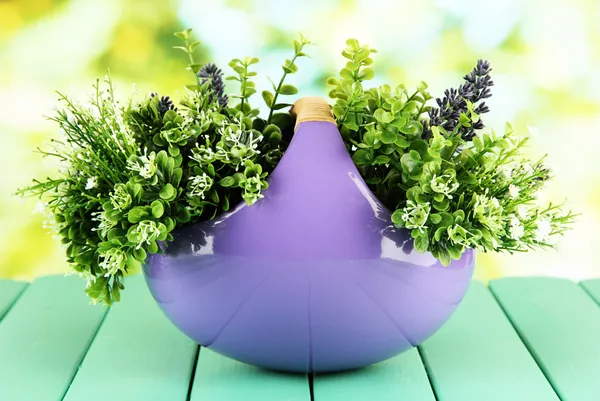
(9, 292)
(219, 378)
(560, 324)
(44, 338)
(593, 288)
(136, 355)
(400, 378)
(477, 355)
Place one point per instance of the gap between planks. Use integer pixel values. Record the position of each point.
(85, 353)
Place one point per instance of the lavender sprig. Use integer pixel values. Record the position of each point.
(210, 72)
(164, 104)
(447, 113)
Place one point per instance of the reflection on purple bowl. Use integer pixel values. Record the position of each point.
(314, 277)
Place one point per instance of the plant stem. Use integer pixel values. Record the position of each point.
(243, 82)
(280, 85)
(192, 61)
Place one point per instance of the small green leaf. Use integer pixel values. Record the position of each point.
(478, 143)
(503, 144)
(397, 218)
(346, 74)
(401, 142)
(288, 90)
(137, 214)
(441, 206)
(435, 218)
(381, 159)
(361, 157)
(438, 233)
(225, 203)
(283, 120)
(184, 34)
(398, 122)
(373, 180)
(387, 117)
(444, 257)
(422, 242)
(227, 182)
(195, 67)
(353, 44)
(182, 214)
(297, 46)
(367, 74)
(167, 192)
(388, 137)
(152, 247)
(378, 114)
(157, 209)
(454, 252)
(280, 106)
(139, 254)
(268, 98)
(289, 67)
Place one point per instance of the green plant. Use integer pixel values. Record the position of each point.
(133, 173)
(451, 184)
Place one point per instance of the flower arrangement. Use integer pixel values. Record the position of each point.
(132, 173)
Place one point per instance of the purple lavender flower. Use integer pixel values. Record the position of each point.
(164, 104)
(447, 113)
(210, 72)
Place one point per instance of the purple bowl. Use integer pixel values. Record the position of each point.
(314, 277)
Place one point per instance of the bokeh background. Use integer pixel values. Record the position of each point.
(545, 55)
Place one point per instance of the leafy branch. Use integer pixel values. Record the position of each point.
(189, 48)
(247, 87)
(289, 67)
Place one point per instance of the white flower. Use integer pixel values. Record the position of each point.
(252, 197)
(92, 182)
(253, 184)
(516, 229)
(513, 191)
(120, 198)
(444, 184)
(506, 170)
(416, 215)
(148, 232)
(145, 165)
(488, 212)
(522, 211)
(544, 228)
(203, 155)
(527, 168)
(113, 261)
(199, 184)
(104, 223)
(40, 207)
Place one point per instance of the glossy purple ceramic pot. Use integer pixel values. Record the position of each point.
(314, 277)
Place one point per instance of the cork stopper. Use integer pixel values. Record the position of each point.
(311, 108)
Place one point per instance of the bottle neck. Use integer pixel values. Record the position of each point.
(311, 108)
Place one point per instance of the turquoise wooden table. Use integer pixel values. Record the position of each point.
(530, 339)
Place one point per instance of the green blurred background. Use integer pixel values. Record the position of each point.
(545, 54)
